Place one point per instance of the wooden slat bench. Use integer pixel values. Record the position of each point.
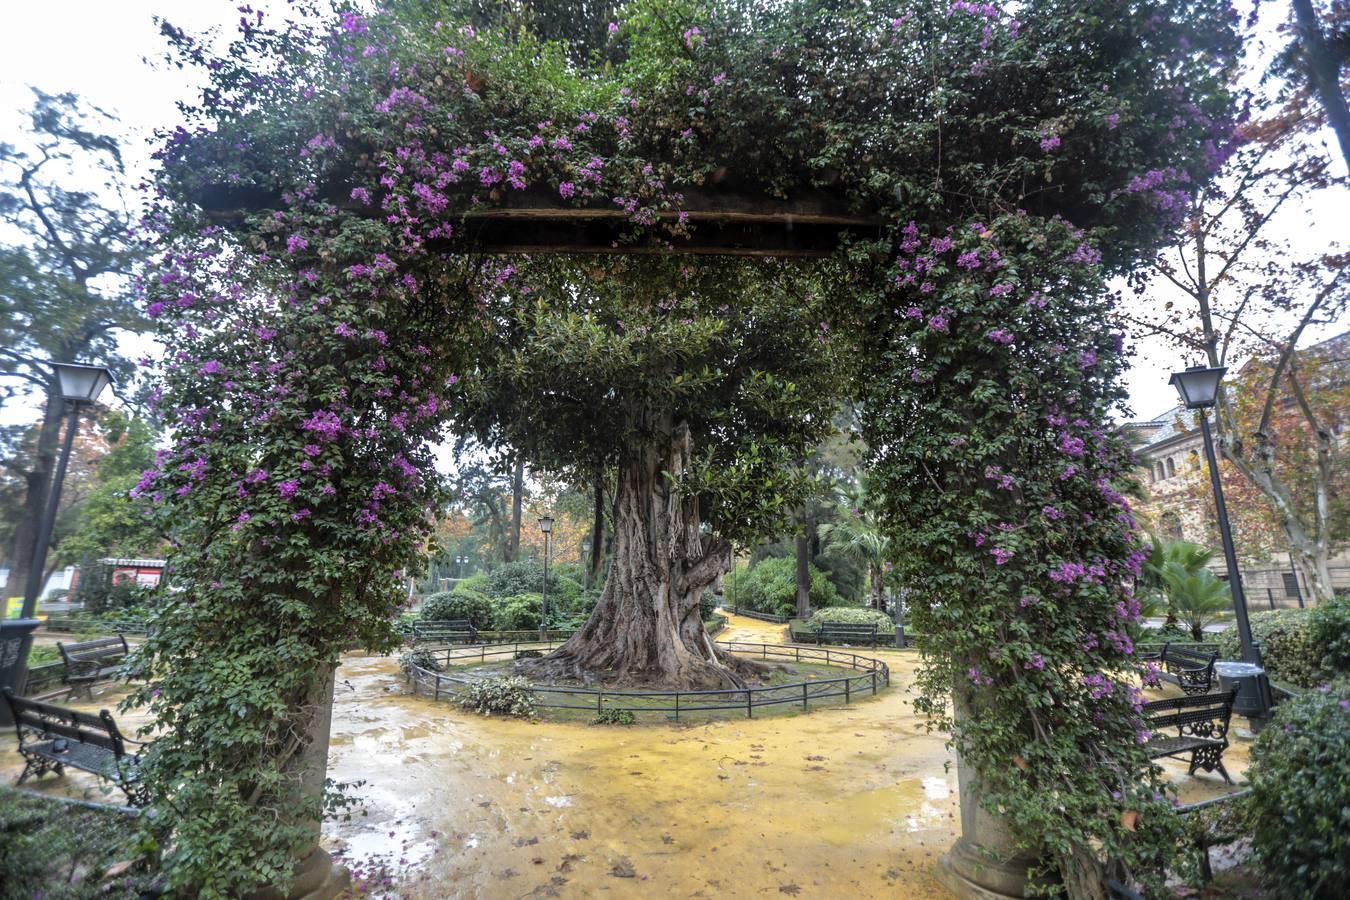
(846, 633)
(1202, 729)
(53, 737)
(88, 662)
(1191, 670)
(449, 630)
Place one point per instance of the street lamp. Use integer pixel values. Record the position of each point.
(1199, 390)
(80, 386)
(586, 563)
(546, 526)
(460, 562)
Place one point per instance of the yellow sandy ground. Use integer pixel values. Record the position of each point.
(837, 803)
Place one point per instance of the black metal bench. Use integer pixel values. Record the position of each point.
(90, 661)
(53, 737)
(1191, 670)
(846, 633)
(1202, 729)
(449, 630)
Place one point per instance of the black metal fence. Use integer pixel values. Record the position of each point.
(873, 675)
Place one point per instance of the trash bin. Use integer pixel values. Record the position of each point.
(1253, 688)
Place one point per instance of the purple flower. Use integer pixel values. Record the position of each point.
(361, 194)
(1028, 600)
(1050, 143)
(1036, 662)
(567, 189)
(344, 330)
(295, 243)
(1000, 555)
(1070, 445)
(938, 322)
(212, 367)
(288, 488)
(1112, 120)
(968, 260)
(325, 423)
(1086, 359)
(300, 514)
(1051, 513)
(1000, 289)
(613, 27)
(1001, 336)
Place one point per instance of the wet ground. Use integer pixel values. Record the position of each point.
(841, 802)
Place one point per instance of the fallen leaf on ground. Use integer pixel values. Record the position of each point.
(792, 889)
(623, 869)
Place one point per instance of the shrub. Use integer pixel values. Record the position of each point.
(1300, 800)
(458, 604)
(509, 696)
(1329, 629)
(474, 583)
(518, 613)
(770, 586)
(854, 615)
(707, 604)
(420, 658)
(615, 717)
(41, 655)
(1286, 645)
(526, 576)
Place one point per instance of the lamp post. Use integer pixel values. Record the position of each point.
(80, 386)
(546, 526)
(586, 563)
(459, 565)
(1199, 390)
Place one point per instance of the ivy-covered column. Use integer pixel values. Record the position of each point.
(1002, 485)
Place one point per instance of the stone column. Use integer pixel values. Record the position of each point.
(984, 863)
(316, 875)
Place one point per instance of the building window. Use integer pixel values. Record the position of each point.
(1160, 473)
(1290, 584)
(1171, 467)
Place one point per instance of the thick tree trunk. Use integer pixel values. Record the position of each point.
(646, 627)
(876, 580)
(37, 485)
(803, 577)
(596, 562)
(517, 497)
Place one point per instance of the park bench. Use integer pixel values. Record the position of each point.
(90, 661)
(1202, 729)
(1191, 670)
(846, 633)
(53, 737)
(449, 630)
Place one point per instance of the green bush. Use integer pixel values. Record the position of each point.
(707, 604)
(1286, 645)
(1329, 627)
(510, 696)
(615, 717)
(770, 586)
(419, 657)
(526, 576)
(1300, 802)
(854, 615)
(41, 655)
(518, 613)
(474, 583)
(60, 852)
(458, 604)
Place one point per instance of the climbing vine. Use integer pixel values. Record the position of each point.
(314, 276)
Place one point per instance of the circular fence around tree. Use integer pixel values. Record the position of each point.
(871, 676)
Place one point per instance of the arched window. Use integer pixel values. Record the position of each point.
(1171, 467)
(1161, 474)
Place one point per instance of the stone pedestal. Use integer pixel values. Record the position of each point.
(984, 863)
(317, 877)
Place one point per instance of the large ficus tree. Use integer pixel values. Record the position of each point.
(315, 230)
(703, 384)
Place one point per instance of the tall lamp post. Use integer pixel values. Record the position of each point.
(546, 526)
(80, 386)
(1199, 390)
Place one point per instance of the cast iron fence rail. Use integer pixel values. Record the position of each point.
(95, 626)
(763, 617)
(873, 675)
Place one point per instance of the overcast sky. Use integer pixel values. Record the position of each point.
(97, 48)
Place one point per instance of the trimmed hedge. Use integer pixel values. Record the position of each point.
(770, 586)
(1300, 804)
(459, 604)
(1286, 645)
(854, 615)
(1329, 626)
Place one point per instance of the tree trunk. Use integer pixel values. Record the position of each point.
(1324, 75)
(876, 580)
(517, 496)
(37, 485)
(646, 626)
(597, 559)
(803, 577)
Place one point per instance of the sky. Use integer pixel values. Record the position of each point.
(98, 49)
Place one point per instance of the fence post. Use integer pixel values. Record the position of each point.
(803, 695)
(599, 703)
(874, 682)
(1270, 595)
(677, 706)
(438, 688)
(847, 683)
(749, 708)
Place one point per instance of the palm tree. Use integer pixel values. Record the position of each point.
(1152, 586)
(1198, 597)
(858, 536)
